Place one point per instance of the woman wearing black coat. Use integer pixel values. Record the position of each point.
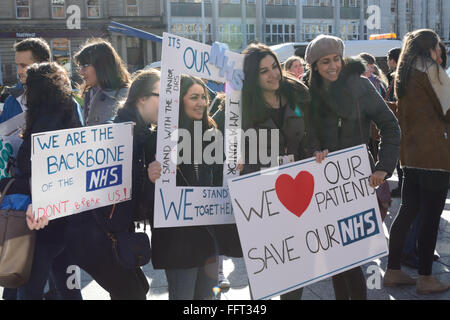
(343, 106)
(189, 254)
(49, 107)
(85, 235)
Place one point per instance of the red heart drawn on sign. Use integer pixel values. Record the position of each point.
(295, 194)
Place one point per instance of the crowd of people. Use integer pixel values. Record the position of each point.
(319, 105)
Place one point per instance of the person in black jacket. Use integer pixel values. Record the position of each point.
(86, 241)
(189, 254)
(49, 107)
(343, 106)
(141, 107)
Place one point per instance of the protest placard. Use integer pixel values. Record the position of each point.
(304, 222)
(80, 169)
(10, 141)
(187, 205)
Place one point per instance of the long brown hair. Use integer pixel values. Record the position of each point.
(48, 92)
(416, 46)
(254, 107)
(142, 85)
(109, 67)
(186, 82)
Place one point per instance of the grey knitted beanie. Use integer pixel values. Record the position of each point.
(323, 45)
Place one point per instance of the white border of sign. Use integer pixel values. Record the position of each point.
(81, 153)
(280, 250)
(190, 206)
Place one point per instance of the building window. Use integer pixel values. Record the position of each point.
(231, 34)
(274, 2)
(310, 31)
(350, 31)
(280, 33)
(317, 3)
(408, 6)
(251, 35)
(61, 53)
(132, 8)
(192, 31)
(93, 8)
(58, 9)
(23, 9)
(349, 3)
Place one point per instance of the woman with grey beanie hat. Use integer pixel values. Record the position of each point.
(343, 105)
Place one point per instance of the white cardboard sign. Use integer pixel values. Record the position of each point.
(80, 169)
(304, 222)
(177, 206)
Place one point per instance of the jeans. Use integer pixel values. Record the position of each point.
(423, 193)
(410, 247)
(193, 283)
(44, 255)
(61, 277)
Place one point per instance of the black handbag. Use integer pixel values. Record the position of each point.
(131, 249)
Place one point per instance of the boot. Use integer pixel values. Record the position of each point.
(430, 284)
(394, 278)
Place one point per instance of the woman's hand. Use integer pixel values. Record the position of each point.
(320, 155)
(377, 178)
(240, 165)
(33, 224)
(154, 171)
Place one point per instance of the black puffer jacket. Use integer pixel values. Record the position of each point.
(335, 114)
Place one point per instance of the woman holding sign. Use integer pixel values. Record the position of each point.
(189, 255)
(92, 237)
(271, 100)
(343, 106)
(49, 107)
(422, 88)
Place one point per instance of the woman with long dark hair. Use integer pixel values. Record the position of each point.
(106, 80)
(343, 105)
(422, 88)
(88, 235)
(188, 255)
(272, 101)
(49, 107)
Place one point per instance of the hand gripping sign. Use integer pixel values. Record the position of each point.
(308, 221)
(80, 169)
(187, 205)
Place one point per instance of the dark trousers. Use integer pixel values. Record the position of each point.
(91, 249)
(57, 277)
(350, 285)
(400, 175)
(47, 257)
(424, 192)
